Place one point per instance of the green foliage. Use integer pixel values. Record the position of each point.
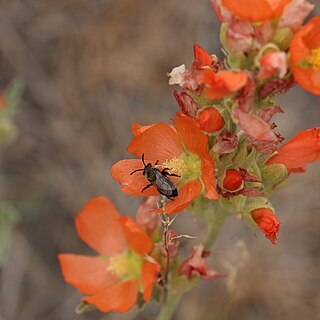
(9, 217)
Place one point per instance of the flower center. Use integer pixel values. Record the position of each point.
(188, 167)
(175, 165)
(126, 265)
(314, 59)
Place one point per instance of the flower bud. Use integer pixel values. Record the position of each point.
(210, 120)
(233, 180)
(148, 220)
(274, 173)
(282, 38)
(267, 222)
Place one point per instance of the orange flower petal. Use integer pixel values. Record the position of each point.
(233, 81)
(304, 40)
(149, 274)
(256, 10)
(160, 142)
(137, 239)
(120, 297)
(223, 83)
(188, 192)
(88, 274)
(98, 227)
(304, 148)
(137, 129)
(208, 177)
(132, 184)
(191, 136)
(201, 55)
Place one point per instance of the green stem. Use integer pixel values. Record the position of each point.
(171, 305)
(214, 227)
(215, 223)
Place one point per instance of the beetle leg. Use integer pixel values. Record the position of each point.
(166, 173)
(147, 186)
(173, 175)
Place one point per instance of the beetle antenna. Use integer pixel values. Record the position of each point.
(136, 171)
(143, 160)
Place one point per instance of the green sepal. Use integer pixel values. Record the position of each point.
(202, 100)
(234, 204)
(242, 153)
(237, 61)
(282, 38)
(83, 307)
(274, 173)
(222, 35)
(255, 203)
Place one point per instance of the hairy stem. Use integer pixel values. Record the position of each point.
(171, 305)
(215, 222)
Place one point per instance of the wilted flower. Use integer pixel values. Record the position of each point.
(273, 63)
(196, 266)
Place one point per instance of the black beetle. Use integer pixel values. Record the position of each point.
(158, 179)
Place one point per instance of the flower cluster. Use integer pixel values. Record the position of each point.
(222, 153)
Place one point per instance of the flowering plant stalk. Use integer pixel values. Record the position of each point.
(221, 155)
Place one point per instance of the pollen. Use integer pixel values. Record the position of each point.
(314, 59)
(175, 166)
(126, 265)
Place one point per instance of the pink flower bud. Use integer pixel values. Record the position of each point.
(148, 220)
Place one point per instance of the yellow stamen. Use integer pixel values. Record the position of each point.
(126, 265)
(314, 59)
(175, 166)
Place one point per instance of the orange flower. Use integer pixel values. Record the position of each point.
(267, 222)
(210, 120)
(304, 148)
(219, 85)
(305, 56)
(233, 180)
(182, 150)
(112, 280)
(256, 10)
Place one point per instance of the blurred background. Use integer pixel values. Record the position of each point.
(91, 68)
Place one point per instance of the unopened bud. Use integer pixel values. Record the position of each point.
(210, 120)
(233, 180)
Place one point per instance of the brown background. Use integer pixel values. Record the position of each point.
(91, 69)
